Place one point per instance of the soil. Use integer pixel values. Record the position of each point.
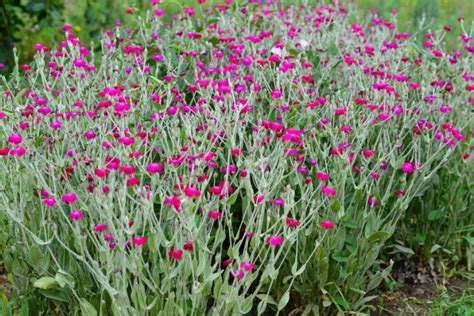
(4, 284)
(415, 297)
(417, 293)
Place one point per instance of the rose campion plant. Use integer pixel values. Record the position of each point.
(217, 160)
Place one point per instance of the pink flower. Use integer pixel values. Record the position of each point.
(375, 175)
(132, 181)
(278, 202)
(291, 222)
(69, 198)
(15, 139)
(101, 173)
(50, 201)
(327, 224)
(258, 198)
(238, 274)
(408, 167)
(154, 167)
(248, 234)
(18, 151)
(275, 240)
(76, 214)
(372, 201)
(215, 214)
(139, 240)
(192, 192)
(328, 190)
(128, 169)
(247, 265)
(90, 135)
(108, 237)
(126, 140)
(368, 152)
(188, 246)
(276, 94)
(322, 176)
(100, 227)
(176, 254)
(173, 200)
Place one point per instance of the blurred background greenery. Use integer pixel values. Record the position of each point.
(26, 22)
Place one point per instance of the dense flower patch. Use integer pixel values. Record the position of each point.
(252, 160)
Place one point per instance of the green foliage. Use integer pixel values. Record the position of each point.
(425, 14)
(58, 263)
(27, 22)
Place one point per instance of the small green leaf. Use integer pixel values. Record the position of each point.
(214, 41)
(266, 298)
(262, 306)
(46, 283)
(380, 235)
(87, 308)
(336, 206)
(156, 80)
(350, 224)
(246, 306)
(231, 200)
(339, 257)
(284, 300)
(435, 248)
(435, 215)
(299, 271)
(293, 51)
(404, 249)
(469, 239)
(64, 279)
(61, 295)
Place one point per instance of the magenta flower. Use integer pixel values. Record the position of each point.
(108, 237)
(238, 274)
(188, 246)
(408, 167)
(18, 151)
(50, 201)
(15, 139)
(278, 202)
(100, 227)
(126, 140)
(176, 254)
(154, 167)
(247, 265)
(133, 181)
(215, 214)
(276, 94)
(139, 240)
(128, 169)
(275, 240)
(76, 214)
(291, 222)
(324, 176)
(69, 198)
(175, 201)
(258, 198)
(372, 201)
(192, 192)
(327, 224)
(248, 234)
(101, 172)
(328, 190)
(368, 152)
(90, 135)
